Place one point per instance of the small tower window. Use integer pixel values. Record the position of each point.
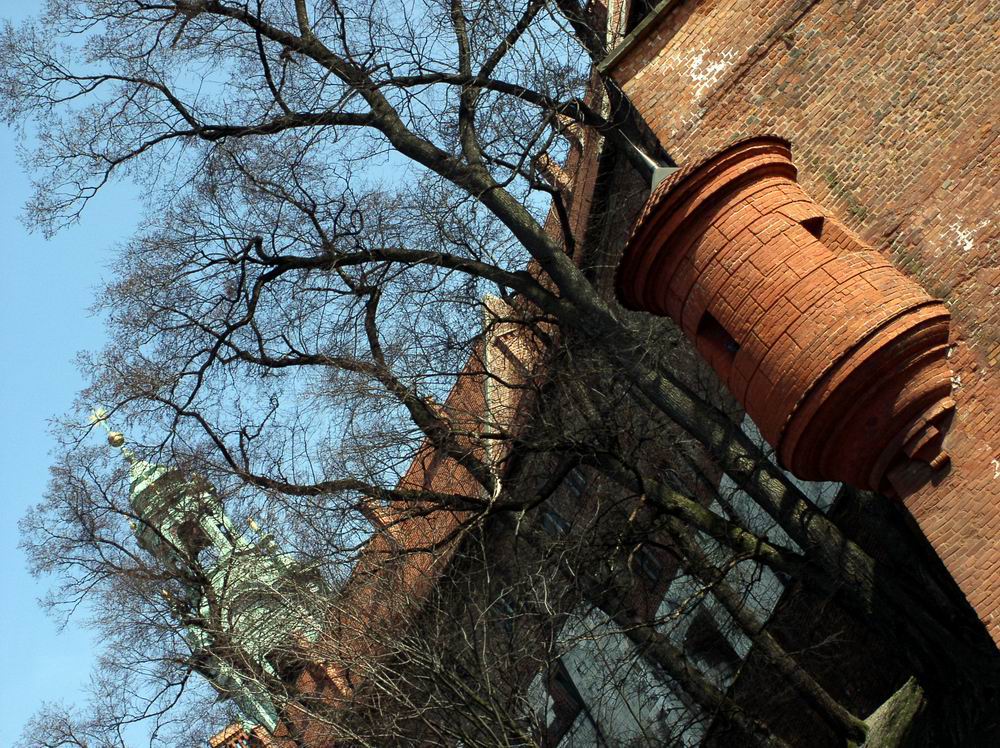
(715, 342)
(814, 226)
(193, 538)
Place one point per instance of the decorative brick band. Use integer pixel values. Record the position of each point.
(838, 357)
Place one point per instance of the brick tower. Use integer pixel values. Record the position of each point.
(838, 357)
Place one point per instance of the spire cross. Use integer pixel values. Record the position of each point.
(115, 438)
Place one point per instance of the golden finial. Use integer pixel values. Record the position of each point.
(100, 416)
(115, 438)
(253, 524)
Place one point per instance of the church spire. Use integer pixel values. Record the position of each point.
(142, 473)
(264, 601)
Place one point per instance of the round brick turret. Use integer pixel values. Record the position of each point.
(838, 357)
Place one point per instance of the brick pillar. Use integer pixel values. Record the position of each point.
(838, 357)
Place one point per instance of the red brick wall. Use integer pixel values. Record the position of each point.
(889, 107)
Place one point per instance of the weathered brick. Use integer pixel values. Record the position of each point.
(892, 115)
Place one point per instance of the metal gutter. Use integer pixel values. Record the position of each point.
(640, 32)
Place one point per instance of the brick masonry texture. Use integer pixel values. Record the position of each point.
(836, 355)
(237, 736)
(890, 107)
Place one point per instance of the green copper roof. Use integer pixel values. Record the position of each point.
(265, 599)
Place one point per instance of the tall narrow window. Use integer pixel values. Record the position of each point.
(566, 701)
(554, 524)
(507, 613)
(576, 481)
(649, 565)
(708, 646)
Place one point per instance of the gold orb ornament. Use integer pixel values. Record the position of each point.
(116, 438)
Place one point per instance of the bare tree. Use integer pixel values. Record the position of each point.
(332, 189)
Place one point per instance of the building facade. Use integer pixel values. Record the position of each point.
(891, 116)
(888, 113)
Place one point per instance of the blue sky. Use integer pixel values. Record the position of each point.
(45, 290)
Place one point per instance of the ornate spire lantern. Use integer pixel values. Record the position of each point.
(247, 606)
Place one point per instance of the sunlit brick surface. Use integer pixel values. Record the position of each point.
(836, 355)
(891, 107)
